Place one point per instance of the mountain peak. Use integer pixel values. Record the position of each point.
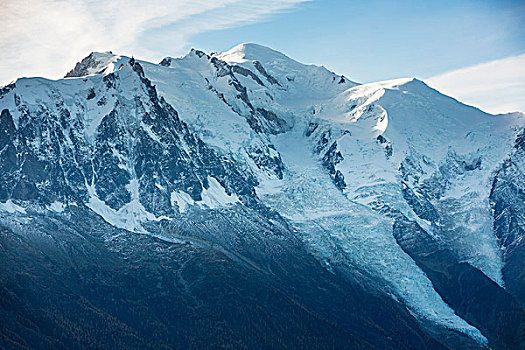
(250, 51)
(97, 63)
(288, 71)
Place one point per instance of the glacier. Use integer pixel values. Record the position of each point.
(337, 164)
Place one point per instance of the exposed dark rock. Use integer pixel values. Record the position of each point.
(311, 128)
(247, 73)
(386, 144)
(91, 94)
(330, 159)
(84, 67)
(508, 203)
(166, 62)
(265, 74)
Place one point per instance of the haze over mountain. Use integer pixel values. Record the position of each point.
(243, 199)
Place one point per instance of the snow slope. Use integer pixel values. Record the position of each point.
(436, 134)
(340, 161)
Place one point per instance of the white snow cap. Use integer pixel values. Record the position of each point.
(97, 63)
(250, 51)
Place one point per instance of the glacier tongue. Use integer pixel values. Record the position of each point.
(347, 235)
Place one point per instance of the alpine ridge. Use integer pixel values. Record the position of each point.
(243, 199)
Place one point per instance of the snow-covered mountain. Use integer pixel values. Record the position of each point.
(382, 215)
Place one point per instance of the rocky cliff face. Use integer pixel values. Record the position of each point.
(210, 199)
(508, 202)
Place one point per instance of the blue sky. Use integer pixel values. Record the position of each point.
(364, 40)
(377, 40)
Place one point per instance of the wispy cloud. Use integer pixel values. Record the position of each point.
(496, 87)
(46, 37)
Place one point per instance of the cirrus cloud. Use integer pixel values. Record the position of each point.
(496, 86)
(46, 37)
